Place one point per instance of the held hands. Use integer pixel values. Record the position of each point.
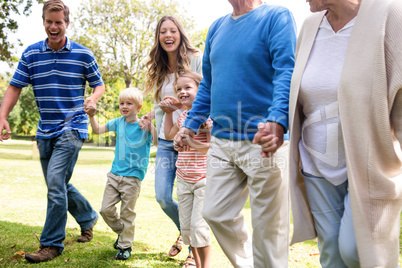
(5, 130)
(145, 122)
(90, 106)
(170, 104)
(183, 139)
(270, 137)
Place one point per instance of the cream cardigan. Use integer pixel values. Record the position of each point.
(370, 107)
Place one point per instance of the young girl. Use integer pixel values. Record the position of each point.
(191, 172)
(171, 54)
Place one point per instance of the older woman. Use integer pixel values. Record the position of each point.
(346, 132)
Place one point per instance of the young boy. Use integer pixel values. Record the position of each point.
(128, 169)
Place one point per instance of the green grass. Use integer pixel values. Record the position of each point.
(23, 209)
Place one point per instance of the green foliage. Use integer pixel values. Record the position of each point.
(198, 39)
(24, 118)
(121, 34)
(9, 25)
(3, 86)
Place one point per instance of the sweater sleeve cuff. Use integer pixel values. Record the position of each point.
(192, 124)
(279, 118)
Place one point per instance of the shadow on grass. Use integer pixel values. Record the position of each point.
(18, 239)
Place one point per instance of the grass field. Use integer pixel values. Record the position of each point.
(23, 209)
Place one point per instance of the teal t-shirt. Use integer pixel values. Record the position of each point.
(132, 148)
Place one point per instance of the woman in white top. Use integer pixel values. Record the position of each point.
(346, 131)
(171, 54)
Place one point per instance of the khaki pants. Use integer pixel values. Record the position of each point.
(194, 229)
(236, 170)
(125, 190)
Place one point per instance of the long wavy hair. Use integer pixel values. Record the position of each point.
(158, 63)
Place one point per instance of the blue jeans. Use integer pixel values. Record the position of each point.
(330, 206)
(58, 157)
(165, 174)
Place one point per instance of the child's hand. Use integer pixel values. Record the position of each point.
(90, 108)
(184, 148)
(205, 128)
(145, 124)
(187, 140)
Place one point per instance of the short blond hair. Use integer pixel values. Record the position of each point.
(131, 93)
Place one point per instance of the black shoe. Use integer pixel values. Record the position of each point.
(123, 254)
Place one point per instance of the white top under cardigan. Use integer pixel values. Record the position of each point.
(322, 151)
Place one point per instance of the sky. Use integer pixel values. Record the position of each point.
(204, 13)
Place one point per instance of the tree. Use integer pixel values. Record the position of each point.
(121, 34)
(198, 39)
(8, 25)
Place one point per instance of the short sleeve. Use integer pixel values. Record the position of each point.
(112, 125)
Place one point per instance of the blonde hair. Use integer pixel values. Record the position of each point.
(196, 77)
(54, 6)
(158, 63)
(131, 93)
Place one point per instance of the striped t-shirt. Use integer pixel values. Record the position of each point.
(58, 79)
(192, 165)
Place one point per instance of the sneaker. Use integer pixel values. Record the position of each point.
(86, 235)
(44, 254)
(123, 254)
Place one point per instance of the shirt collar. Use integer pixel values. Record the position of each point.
(325, 24)
(45, 46)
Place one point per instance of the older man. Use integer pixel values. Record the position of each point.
(247, 67)
(57, 68)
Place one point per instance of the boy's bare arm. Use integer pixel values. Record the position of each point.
(149, 126)
(96, 127)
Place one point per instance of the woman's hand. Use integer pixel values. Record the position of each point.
(170, 104)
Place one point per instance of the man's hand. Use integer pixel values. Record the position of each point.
(5, 130)
(170, 104)
(90, 106)
(270, 137)
(180, 141)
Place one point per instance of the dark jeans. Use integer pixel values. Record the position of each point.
(58, 157)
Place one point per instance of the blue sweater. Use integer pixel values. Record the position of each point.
(247, 67)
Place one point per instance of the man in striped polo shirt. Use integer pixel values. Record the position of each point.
(57, 68)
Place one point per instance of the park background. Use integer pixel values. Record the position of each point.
(120, 33)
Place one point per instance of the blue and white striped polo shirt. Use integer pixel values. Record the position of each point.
(58, 79)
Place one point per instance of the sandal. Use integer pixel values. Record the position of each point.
(176, 247)
(190, 262)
